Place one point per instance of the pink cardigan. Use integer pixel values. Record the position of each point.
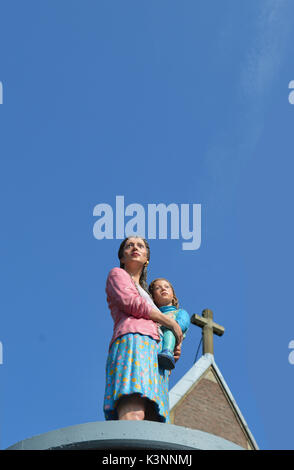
(129, 310)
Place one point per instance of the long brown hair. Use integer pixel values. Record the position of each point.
(143, 277)
(175, 301)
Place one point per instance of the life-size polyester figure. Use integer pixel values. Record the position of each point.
(136, 388)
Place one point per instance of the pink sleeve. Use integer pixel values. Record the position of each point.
(122, 292)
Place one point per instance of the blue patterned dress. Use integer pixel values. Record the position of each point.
(132, 368)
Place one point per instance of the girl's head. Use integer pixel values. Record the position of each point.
(163, 293)
(135, 249)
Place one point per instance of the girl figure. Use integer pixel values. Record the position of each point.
(136, 388)
(165, 298)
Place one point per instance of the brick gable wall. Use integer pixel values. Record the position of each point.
(207, 408)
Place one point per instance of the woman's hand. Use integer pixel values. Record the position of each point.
(168, 322)
(171, 317)
(177, 351)
(177, 331)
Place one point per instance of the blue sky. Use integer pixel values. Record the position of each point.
(161, 102)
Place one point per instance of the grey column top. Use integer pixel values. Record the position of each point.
(125, 435)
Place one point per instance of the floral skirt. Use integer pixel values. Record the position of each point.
(132, 368)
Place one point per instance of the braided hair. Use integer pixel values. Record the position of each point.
(143, 277)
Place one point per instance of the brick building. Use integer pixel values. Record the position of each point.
(202, 400)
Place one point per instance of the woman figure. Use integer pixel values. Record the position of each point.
(136, 388)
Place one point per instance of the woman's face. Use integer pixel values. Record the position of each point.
(162, 293)
(134, 251)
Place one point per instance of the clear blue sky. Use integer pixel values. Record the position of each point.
(162, 102)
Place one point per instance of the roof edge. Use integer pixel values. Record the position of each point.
(234, 404)
(193, 375)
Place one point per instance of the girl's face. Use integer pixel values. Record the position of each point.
(162, 293)
(134, 250)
